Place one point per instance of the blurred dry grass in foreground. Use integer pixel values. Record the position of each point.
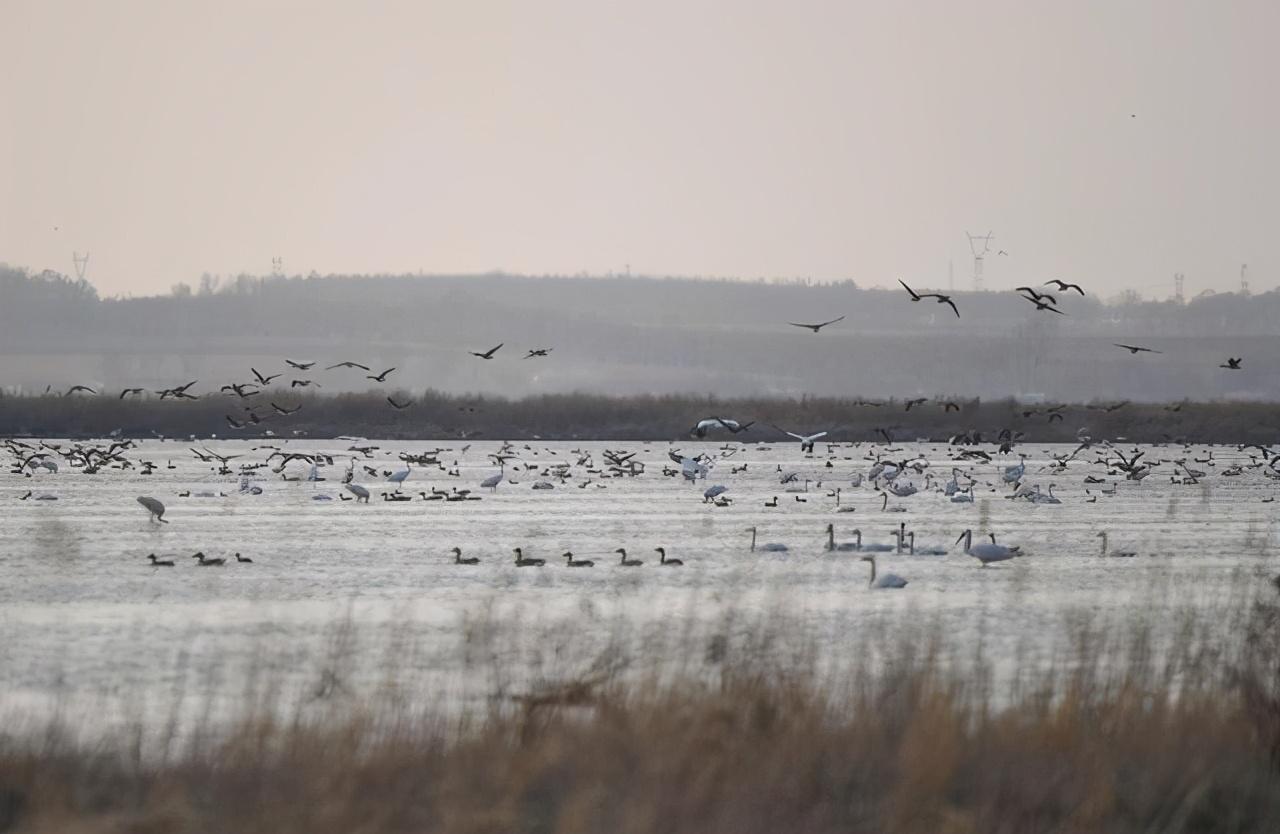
(1117, 738)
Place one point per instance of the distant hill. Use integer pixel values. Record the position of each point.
(624, 335)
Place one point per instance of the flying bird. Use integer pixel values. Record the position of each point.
(942, 299)
(131, 392)
(348, 365)
(1135, 349)
(1063, 286)
(1233, 364)
(302, 366)
(75, 388)
(264, 380)
(302, 383)
(488, 354)
(382, 377)
(399, 406)
(815, 327)
(286, 411)
(538, 352)
(1032, 295)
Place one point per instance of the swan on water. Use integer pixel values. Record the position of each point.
(1115, 554)
(770, 547)
(984, 552)
(884, 581)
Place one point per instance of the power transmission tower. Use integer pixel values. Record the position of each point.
(81, 263)
(1179, 281)
(1244, 279)
(277, 266)
(979, 255)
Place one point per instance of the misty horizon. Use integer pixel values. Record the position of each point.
(843, 141)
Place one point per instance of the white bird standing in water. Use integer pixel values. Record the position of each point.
(154, 507)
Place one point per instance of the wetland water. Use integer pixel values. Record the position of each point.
(372, 589)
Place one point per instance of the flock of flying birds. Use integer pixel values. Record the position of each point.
(1042, 301)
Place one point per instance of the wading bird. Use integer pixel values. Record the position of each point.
(154, 507)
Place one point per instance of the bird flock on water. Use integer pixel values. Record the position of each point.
(892, 473)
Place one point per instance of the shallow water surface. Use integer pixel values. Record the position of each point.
(84, 616)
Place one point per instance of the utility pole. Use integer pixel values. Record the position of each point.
(979, 254)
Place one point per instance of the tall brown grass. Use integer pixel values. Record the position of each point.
(1113, 739)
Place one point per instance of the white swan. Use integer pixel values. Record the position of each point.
(986, 553)
(1115, 554)
(771, 547)
(884, 581)
(842, 547)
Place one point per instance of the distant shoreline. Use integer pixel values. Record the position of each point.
(435, 416)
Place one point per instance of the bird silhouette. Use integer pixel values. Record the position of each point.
(815, 327)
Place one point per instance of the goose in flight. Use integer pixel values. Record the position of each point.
(131, 392)
(303, 383)
(1063, 286)
(1032, 295)
(1233, 364)
(240, 389)
(285, 412)
(1135, 349)
(264, 380)
(488, 354)
(382, 377)
(348, 364)
(704, 426)
(815, 327)
(887, 581)
(74, 388)
(399, 406)
(154, 507)
(537, 352)
(940, 297)
(986, 553)
(302, 366)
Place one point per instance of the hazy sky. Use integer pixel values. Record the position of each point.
(828, 139)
